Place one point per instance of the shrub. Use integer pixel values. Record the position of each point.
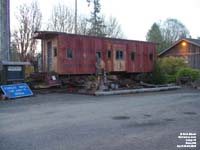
(170, 78)
(171, 65)
(28, 70)
(157, 76)
(166, 69)
(194, 74)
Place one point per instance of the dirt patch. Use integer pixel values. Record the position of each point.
(120, 117)
(189, 113)
(169, 119)
(145, 124)
(147, 115)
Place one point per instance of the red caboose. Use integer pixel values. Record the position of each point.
(69, 54)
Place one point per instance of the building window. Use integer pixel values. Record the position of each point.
(55, 51)
(98, 54)
(132, 55)
(119, 55)
(151, 56)
(109, 54)
(69, 53)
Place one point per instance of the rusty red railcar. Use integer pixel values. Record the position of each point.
(70, 54)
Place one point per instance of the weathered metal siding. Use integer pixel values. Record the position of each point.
(149, 62)
(108, 46)
(141, 62)
(83, 55)
(84, 49)
(131, 64)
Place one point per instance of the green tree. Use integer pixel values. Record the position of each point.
(155, 35)
(167, 32)
(96, 21)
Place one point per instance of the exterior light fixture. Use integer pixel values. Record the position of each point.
(183, 43)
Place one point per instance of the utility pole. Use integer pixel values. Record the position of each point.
(75, 17)
(4, 30)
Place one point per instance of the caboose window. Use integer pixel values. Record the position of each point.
(119, 55)
(109, 54)
(55, 51)
(69, 53)
(98, 54)
(151, 56)
(132, 56)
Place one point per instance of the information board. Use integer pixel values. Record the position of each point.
(16, 90)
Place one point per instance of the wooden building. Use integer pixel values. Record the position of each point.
(69, 54)
(189, 49)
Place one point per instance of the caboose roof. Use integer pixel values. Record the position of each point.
(45, 34)
(51, 34)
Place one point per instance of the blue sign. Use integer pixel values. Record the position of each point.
(16, 90)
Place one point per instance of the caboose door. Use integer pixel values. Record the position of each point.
(119, 57)
(49, 56)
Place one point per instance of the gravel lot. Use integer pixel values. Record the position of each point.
(59, 121)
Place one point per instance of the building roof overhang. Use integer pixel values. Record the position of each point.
(191, 41)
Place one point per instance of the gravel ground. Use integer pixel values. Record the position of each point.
(59, 121)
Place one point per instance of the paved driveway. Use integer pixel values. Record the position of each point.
(151, 121)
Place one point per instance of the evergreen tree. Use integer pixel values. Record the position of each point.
(155, 35)
(96, 22)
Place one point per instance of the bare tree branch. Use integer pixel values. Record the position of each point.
(113, 28)
(61, 19)
(28, 20)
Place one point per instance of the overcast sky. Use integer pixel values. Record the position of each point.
(134, 16)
